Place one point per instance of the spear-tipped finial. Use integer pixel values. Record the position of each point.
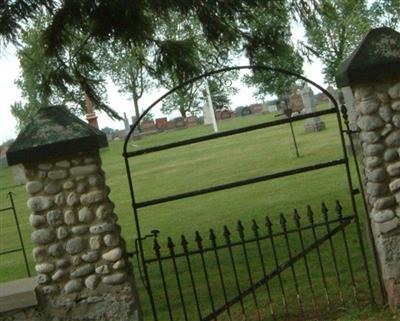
(339, 209)
(268, 222)
(198, 237)
(213, 238)
(310, 214)
(282, 220)
(296, 217)
(156, 247)
(254, 226)
(240, 229)
(227, 234)
(170, 243)
(324, 210)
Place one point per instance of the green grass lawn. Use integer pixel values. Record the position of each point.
(206, 164)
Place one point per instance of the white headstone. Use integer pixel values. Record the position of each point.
(126, 123)
(314, 124)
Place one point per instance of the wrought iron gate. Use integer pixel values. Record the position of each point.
(244, 272)
(21, 248)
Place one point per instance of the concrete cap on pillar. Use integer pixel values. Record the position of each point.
(376, 57)
(54, 132)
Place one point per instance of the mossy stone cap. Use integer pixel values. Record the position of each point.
(54, 132)
(376, 57)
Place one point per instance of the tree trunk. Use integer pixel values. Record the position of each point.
(182, 110)
(137, 113)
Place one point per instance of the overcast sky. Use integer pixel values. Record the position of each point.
(9, 93)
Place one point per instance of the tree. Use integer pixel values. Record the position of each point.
(57, 80)
(109, 131)
(334, 30)
(203, 56)
(127, 67)
(185, 100)
(280, 53)
(224, 24)
(388, 13)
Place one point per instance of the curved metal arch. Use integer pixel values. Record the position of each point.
(218, 71)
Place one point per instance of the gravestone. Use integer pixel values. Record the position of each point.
(180, 122)
(148, 127)
(314, 124)
(126, 124)
(191, 121)
(295, 100)
(170, 124)
(242, 111)
(207, 115)
(225, 114)
(161, 123)
(256, 108)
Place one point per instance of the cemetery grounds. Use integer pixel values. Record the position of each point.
(205, 164)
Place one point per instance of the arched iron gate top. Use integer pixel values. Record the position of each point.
(218, 71)
(344, 160)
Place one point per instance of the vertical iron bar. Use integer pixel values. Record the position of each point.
(139, 237)
(171, 247)
(10, 194)
(255, 229)
(289, 250)
(227, 236)
(310, 215)
(354, 205)
(199, 241)
(297, 220)
(184, 243)
(346, 247)
(213, 240)
(294, 138)
(268, 224)
(324, 211)
(240, 229)
(365, 205)
(156, 248)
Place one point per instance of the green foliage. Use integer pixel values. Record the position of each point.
(222, 25)
(185, 100)
(197, 56)
(148, 116)
(388, 12)
(127, 67)
(334, 30)
(108, 130)
(56, 80)
(277, 53)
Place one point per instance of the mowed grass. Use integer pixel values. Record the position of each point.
(203, 165)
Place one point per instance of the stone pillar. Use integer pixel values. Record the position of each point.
(81, 261)
(373, 72)
(314, 124)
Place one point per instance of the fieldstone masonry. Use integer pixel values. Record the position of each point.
(77, 242)
(373, 72)
(81, 262)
